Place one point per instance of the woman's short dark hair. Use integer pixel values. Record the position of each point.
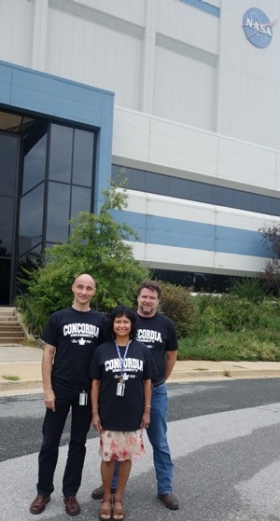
(121, 311)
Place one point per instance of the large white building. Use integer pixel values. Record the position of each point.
(183, 93)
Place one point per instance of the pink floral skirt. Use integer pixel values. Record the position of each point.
(120, 446)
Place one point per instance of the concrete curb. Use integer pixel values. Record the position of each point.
(24, 363)
(179, 376)
(25, 386)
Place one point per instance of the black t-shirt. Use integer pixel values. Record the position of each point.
(75, 335)
(121, 413)
(158, 333)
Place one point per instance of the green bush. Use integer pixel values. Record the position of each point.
(250, 288)
(177, 303)
(230, 313)
(230, 328)
(231, 346)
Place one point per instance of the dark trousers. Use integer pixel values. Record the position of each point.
(53, 426)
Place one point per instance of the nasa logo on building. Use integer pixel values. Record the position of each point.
(257, 27)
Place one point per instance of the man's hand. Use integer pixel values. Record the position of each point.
(47, 363)
(49, 399)
(171, 357)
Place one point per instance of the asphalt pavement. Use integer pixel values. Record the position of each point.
(224, 441)
(20, 370)
(223, 434)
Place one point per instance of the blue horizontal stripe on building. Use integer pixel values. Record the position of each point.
(190, 234)
(207, 7)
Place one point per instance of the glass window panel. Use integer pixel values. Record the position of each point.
(83, 157)
(58, 213)
(33, 256)
(201, 192)
(157, 184)
(222, 196)
(34, 165)
(5, 276)
(275, 206)
(8, 164)
(29, 260)
(242, 200)
(116, 170)
(261, 203)
(136, 178)
(31, 219)
(179, 187)
(6, 225)
(81, 200)
(60, 153)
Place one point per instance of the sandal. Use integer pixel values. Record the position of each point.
(104, 511)
(118, 510)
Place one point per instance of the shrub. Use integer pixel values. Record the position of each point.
(177, 303)
(245, 345)
(230, 328)
(249, 288)
(230, 313)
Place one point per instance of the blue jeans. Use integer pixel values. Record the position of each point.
(157, 434)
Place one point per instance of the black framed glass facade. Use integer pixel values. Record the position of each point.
(9, 146)
(71, 175)
(57, 212)
(197, 282)
(46, 178)
(34, 165)
(83, 148)
(60, 154)
(31, 220)
(160, 184)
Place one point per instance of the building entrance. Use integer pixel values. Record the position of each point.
(46, 178)
(9, 153)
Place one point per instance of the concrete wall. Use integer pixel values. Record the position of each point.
(193, 98)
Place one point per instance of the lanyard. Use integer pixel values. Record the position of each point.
(119, 355)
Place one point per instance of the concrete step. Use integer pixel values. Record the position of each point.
(7, 311)
(7, 326)
(6, 341)
(18, 333)
(11, 331)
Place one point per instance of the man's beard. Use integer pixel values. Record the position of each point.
(146, 311)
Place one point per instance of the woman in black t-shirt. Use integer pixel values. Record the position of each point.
(121, 401)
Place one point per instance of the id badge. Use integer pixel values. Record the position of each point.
(83, 398)
(120, 389)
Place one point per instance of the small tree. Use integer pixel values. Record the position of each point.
(271, 273)
(95, 246)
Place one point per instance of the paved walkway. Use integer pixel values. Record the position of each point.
(20, 370)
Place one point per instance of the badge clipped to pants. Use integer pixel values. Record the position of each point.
(83, 398)
(120, 387)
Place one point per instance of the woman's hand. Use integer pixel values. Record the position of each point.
(145, 419)
(96, 421)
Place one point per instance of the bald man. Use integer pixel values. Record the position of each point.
(71, 337)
